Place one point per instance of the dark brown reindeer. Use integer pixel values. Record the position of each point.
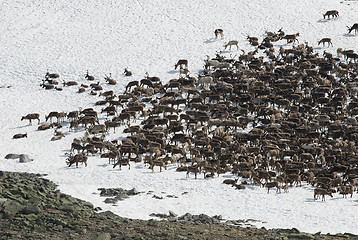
(20, 135)
(127, 72)
(325, 40)
(333, 13)
(89, 77)
(354, 27)
(52, 75)
(31, 116)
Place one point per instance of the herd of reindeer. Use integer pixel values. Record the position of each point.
(274, 118)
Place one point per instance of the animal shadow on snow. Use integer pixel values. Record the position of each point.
(349, 35)
(173, 72)
(328, 198)
(28, 125)
(103, 165)
(323, 20)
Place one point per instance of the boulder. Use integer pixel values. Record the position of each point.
(12, 156)
(24, 158)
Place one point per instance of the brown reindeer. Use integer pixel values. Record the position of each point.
(333, 13)
(272, 185)
(182, 63)
(157, 162)
(110, 80)
(323, 192)
(52, 75)
(31, 116)
(232, 43)
(20, 135)
(78, 158)
(325, 40)
(291, 37)
(194, 169)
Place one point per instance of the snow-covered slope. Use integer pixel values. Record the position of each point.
(70, 37)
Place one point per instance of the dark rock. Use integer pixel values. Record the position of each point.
(133, 191)
(12, 207)
(300, 236)
(157, 197)
(107, 214)
(152, 222)
(24, 158)
(12, 156)
(111, 200)
(97, 209)
(172, 214)
(31, 209)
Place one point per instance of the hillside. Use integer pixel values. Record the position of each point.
(32, 208)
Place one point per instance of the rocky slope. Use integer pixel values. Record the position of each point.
(32, 208)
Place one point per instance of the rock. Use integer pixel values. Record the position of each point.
(12, 207)
(107, 214)
(111, 200)
(121, 196)
(104, 236)
(157, 197)
(31, 209)
(58, 228)
(133, 191)
(12, 156)
(172, 214)
(300, 236)
(24, 158)
(152, 222)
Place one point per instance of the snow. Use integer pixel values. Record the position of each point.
(71, 37)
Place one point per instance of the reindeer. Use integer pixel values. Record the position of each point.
(182, 63)
(232, 43)
(89, 77)
(78, 158)
(354, 27)
(157, 162)
(321, 191)
(271, 185)
(51, 75)
(333, 13)
(131, 84)
(127, 72)
(291, 37)
(51, 115)
(219, 32)
(194, 169)
(31, 116)
(110, 80)
(325, 40)
(20, 135)
(184, 71)
(70, 83)
(254, 41)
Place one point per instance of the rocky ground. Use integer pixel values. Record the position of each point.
(32, 208)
